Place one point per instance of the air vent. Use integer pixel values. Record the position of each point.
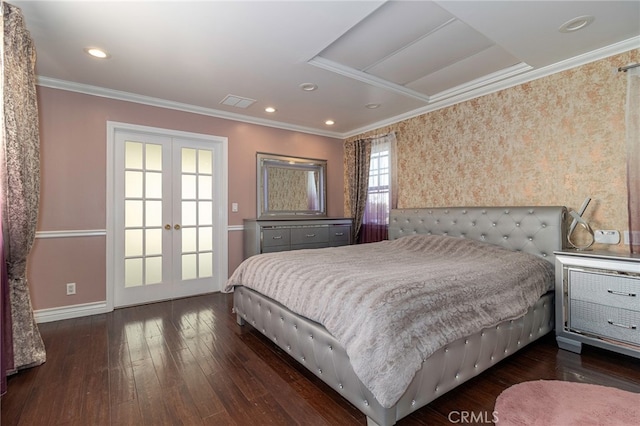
(237, 101)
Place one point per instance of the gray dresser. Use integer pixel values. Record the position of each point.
(271, 235)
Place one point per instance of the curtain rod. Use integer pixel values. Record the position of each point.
(628, 67)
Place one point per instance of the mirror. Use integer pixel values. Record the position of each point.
(290, 186)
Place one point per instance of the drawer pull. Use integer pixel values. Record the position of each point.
(621, 293)
(630, 327)
(277, 237)
(339, 234)
(311, 235)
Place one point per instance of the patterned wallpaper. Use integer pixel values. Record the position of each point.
(551, 141)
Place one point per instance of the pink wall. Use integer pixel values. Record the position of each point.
(73, 132)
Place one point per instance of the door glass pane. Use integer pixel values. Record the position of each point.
(204, 187)
(153, 213)
(205, 213)
(189, 242)
(133, 184)
(153, 185)
(188, 187)
(132, 213)
(205, 238)
(204, 161)
(205, 265)
(189, 213)
(189, 267)
(133, 155)
(153, 242)
(188, 160)
(133, 242)
(153, 159)
(153, 270)
(132, 272)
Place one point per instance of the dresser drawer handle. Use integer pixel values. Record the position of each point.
(339, 234)
(630, 327)
(621, 293)
(311, 235)
(277, 237)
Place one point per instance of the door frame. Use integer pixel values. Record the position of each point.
(221, 246)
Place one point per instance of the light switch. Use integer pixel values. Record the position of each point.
(234, 207)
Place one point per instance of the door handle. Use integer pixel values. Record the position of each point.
(176, 227)
(167, 227)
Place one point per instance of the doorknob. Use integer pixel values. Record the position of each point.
(176, 227)
(167, 227)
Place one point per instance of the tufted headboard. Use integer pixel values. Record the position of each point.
(537, 230)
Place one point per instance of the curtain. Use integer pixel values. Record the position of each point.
(381, 191)
(633, 156)
(357, 159)
(20, 183)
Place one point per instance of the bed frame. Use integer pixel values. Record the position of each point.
(536, 230)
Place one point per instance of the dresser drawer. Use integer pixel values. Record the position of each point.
(310, 235)
(607, 289)
(339, 235)
(275, 238)
(606, 321)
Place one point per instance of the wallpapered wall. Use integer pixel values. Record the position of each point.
(552, 141)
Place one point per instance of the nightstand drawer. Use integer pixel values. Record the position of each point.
(310, 235)
(607, 289)
(275, 237)
(614, 323)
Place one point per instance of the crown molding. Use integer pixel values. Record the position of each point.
(519, 78)
(178, 106)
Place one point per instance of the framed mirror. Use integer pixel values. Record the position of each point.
(290, 186)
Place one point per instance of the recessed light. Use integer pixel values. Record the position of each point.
(329, 122)
(308, 87)
(576, 24)
(372, 106)
(270, 109)
(97, 53)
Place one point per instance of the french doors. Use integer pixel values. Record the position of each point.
(169, 214)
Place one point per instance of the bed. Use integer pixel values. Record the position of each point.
(537, 231)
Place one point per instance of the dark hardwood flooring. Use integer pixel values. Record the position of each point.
(187, 362)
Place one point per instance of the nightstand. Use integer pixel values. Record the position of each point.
(598, 301)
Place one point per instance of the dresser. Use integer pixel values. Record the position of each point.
(598, 301)
(272, 235)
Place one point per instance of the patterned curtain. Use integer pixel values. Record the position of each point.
(357, 157)
(633, 157)
(20, 180)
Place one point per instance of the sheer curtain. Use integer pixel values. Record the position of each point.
(381, 190)
(633, 156)
(372, 185)
(20, 183)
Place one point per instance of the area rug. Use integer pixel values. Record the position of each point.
(558, 403)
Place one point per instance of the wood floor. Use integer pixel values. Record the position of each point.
(187, 362)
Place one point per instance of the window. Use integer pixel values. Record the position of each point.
(375, 222)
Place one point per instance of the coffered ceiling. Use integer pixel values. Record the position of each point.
(371, 62)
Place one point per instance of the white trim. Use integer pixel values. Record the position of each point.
(72, 233)
(231, 228)
(605, 52)
(72, 311)
(163, 103)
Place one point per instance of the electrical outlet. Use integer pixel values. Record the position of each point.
(71, 289)
(604, 236)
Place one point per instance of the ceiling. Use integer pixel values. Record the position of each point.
(399, 58)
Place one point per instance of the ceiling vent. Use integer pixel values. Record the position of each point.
(237, 101)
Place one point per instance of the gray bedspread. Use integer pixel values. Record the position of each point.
(392, 304)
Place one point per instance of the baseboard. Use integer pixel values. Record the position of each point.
(68, 312)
